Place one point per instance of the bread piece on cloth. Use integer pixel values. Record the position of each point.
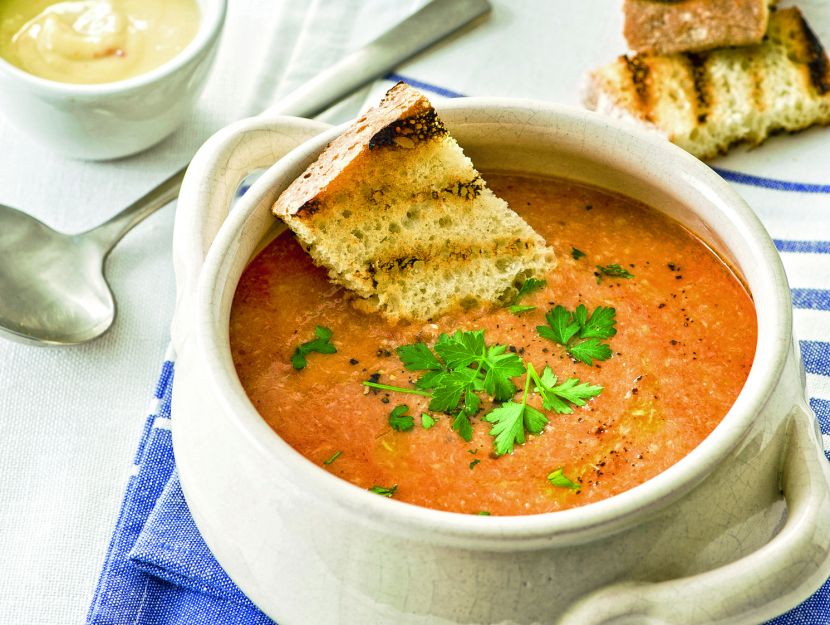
(669, 26)
(706, 102)
(398, 214)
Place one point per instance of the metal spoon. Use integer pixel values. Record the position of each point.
(52, 285)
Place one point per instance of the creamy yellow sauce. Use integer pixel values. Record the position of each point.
(94, 41)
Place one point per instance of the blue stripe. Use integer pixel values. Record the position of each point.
(816, 357)
(811, 299)
(803, 247)
(771, 183)
(164, 379)
(822, 409)
(425, 86)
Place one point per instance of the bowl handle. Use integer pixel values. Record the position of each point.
(755, 588)
(210, 187)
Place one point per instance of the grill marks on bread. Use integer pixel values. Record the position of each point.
(706, 102)
(398, 214)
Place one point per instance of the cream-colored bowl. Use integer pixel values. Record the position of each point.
(115, 119)
(736, 532)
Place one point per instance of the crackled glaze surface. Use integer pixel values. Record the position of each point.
(308, 547)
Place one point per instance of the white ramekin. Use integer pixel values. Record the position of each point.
(110, 120)
(736, 532)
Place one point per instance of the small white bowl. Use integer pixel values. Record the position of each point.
(115, 119)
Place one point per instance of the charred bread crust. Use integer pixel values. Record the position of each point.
(408, 132)
(403, 119)
(804, 47)
(666, 27)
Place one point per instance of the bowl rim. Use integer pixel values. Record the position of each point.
(212, 17)
(774, 342)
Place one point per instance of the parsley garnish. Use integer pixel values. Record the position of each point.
(612, 271)
(558, 478)
(462, 365)
(321, 344)
(531, 285)
(483, 513)
(513, 419)
(558, 397)
(399, 420)
(510, 421)
(576, 254)
(333, 457)
(580, 333)
(474, 463)
(384, 490)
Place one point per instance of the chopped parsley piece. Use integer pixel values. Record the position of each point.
(474, 463)
(531, 285)
(558, 478)
(558, 397)
(612, 271)
(510, 421)
(399, 420)
(321, 344)
(518, 309)
(333, 457)
(384, 491)
(580, 333)
(576, 254)
(427, 421)
(483, 513)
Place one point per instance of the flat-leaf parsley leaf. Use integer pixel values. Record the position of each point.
(399, 420)
(580, 332)
(558, 478)
(511, 419)
(557, 397)
(321, 344)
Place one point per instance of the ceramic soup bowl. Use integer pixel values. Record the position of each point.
(736, 532)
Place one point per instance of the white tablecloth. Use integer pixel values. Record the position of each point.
(70, 418)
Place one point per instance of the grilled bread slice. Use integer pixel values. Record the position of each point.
(666, 27)
(398, 214)
(706, 102)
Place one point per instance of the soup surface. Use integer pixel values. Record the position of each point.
(684, 343)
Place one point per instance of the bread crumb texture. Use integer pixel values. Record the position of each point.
(706, 102)
(397, 214)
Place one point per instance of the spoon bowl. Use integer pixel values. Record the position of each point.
(54, 291)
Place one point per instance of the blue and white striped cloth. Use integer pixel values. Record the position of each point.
(158, 570)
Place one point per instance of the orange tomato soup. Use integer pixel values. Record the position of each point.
(686, 333)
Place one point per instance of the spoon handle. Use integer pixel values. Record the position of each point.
(110, 232)
(428, 25)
